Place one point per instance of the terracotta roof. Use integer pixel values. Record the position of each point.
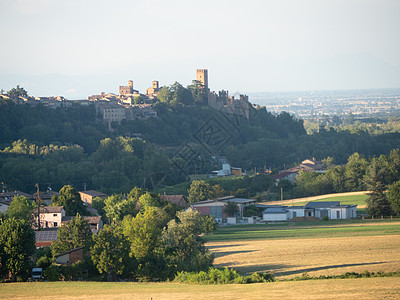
(179, 200)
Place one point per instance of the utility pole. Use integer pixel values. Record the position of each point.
(38, 202)
(282, 194)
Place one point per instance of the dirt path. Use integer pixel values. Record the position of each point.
(306, 199)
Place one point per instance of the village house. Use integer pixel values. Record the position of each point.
(50, 216)
(88, 196)
(308, 165)
(227, 170)
(179, 200)
(332, 210)
(8, 196)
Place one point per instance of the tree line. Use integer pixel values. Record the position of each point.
(144, 239)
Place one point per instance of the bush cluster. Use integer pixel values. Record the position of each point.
(347, 275)
(222, 276)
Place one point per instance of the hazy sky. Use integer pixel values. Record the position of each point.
(79, 47)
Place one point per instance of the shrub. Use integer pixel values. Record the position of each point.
(52, 273)
(222, 276)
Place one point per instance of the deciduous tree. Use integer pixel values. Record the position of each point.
(110, 253)
(17, 245)
(21, 208)
(70, 199)
(199, 190)
(74, 234)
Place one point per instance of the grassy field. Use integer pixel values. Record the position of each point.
(300, 230)
(288, 250)
(318, 248)
(345, 198)
(368, 288)
(360, 200)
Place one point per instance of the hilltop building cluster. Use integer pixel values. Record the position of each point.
(308, 165)
(222, 101)
(130, 104)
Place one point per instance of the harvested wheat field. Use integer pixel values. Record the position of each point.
(365, 288)
(316, 256)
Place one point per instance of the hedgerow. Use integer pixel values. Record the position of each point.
(222, 276)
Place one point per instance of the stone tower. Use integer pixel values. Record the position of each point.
(202, 77)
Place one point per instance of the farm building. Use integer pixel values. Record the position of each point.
(333, 210)
(69, 257)
(215, 207)
(179, 200)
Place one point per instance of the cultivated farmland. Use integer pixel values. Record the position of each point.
(366, 288)
(317, 250)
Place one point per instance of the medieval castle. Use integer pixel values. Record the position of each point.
(131, 104)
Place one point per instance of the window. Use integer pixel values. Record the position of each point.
(54, 215)
(338, 215)
(55, 224)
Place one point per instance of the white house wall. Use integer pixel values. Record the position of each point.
(344, 213)
(275, 217)
(299, 212)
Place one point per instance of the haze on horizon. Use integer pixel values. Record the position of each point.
(76, 48)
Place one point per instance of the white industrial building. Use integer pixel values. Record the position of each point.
(333, 210)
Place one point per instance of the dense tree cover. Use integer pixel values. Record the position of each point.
(70, 145)
(141, 226)
(21, 208)
(17, 245)
(17, 92)
(44, 126)
(393, 196)
(116, 166)
(71, 200)
(76, 233)
(181, 246)
(244, 186)
(110, 253)
(377, 175)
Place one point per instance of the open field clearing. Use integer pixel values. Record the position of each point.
(323, 256)
(345, 198)
(366, 288)
(300, 230)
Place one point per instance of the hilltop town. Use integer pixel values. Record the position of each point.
(131, 104)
